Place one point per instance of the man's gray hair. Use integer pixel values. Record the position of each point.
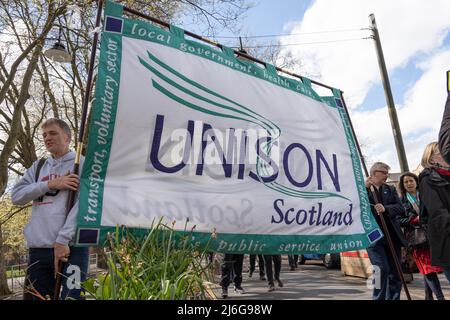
(379, 166)
(60, 123)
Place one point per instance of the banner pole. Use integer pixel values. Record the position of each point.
(79, 142)
(383, 222)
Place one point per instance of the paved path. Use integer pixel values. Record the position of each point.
(311, 281)
(314, 281)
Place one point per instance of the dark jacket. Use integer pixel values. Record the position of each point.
(405, 221)
(444, 133)
(409, 213)
(434, 192)
(393, 215)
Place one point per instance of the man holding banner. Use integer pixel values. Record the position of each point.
(47, 183)
(384, 201)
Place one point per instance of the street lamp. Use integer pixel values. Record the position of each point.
(58, 52)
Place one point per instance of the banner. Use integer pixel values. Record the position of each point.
(189, 132)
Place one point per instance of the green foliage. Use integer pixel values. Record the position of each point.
(163, 265)
(14, 222)
(15, 273)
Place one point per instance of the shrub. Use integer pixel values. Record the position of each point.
(163, 265)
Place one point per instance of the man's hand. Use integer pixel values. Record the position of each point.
(379, 208)
(68, 182)
(61, 253)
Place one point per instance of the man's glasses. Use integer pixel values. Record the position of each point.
(386, 173)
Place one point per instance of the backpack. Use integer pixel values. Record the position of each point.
(36, 175)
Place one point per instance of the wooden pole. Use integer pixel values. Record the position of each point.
(389, 97)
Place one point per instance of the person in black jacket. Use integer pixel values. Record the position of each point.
(434, 190)
(444, 133)
(388, 286)
(408, 186)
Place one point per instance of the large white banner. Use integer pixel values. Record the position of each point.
(185, 131)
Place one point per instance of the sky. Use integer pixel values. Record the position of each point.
(326, 35)
(416, 43)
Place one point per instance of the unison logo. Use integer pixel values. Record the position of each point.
(253, 153)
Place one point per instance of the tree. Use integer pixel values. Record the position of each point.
(59, 89)
(209, 17)
(13, 96)
(11, 225)
(21, 97)
(274, 54)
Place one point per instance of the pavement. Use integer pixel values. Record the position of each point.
(312, 281)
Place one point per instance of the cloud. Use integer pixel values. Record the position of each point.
(412, 34)
(420, 116)
(424, 103)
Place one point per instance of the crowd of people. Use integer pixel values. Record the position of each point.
(419, 219)
(416, 216)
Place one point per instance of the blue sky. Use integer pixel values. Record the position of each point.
(274, 15)
(416, 43)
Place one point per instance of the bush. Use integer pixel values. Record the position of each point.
(163, 265)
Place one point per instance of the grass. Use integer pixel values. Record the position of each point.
(163, 265)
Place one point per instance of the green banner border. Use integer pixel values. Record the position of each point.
(320, 243)
(101, 128)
